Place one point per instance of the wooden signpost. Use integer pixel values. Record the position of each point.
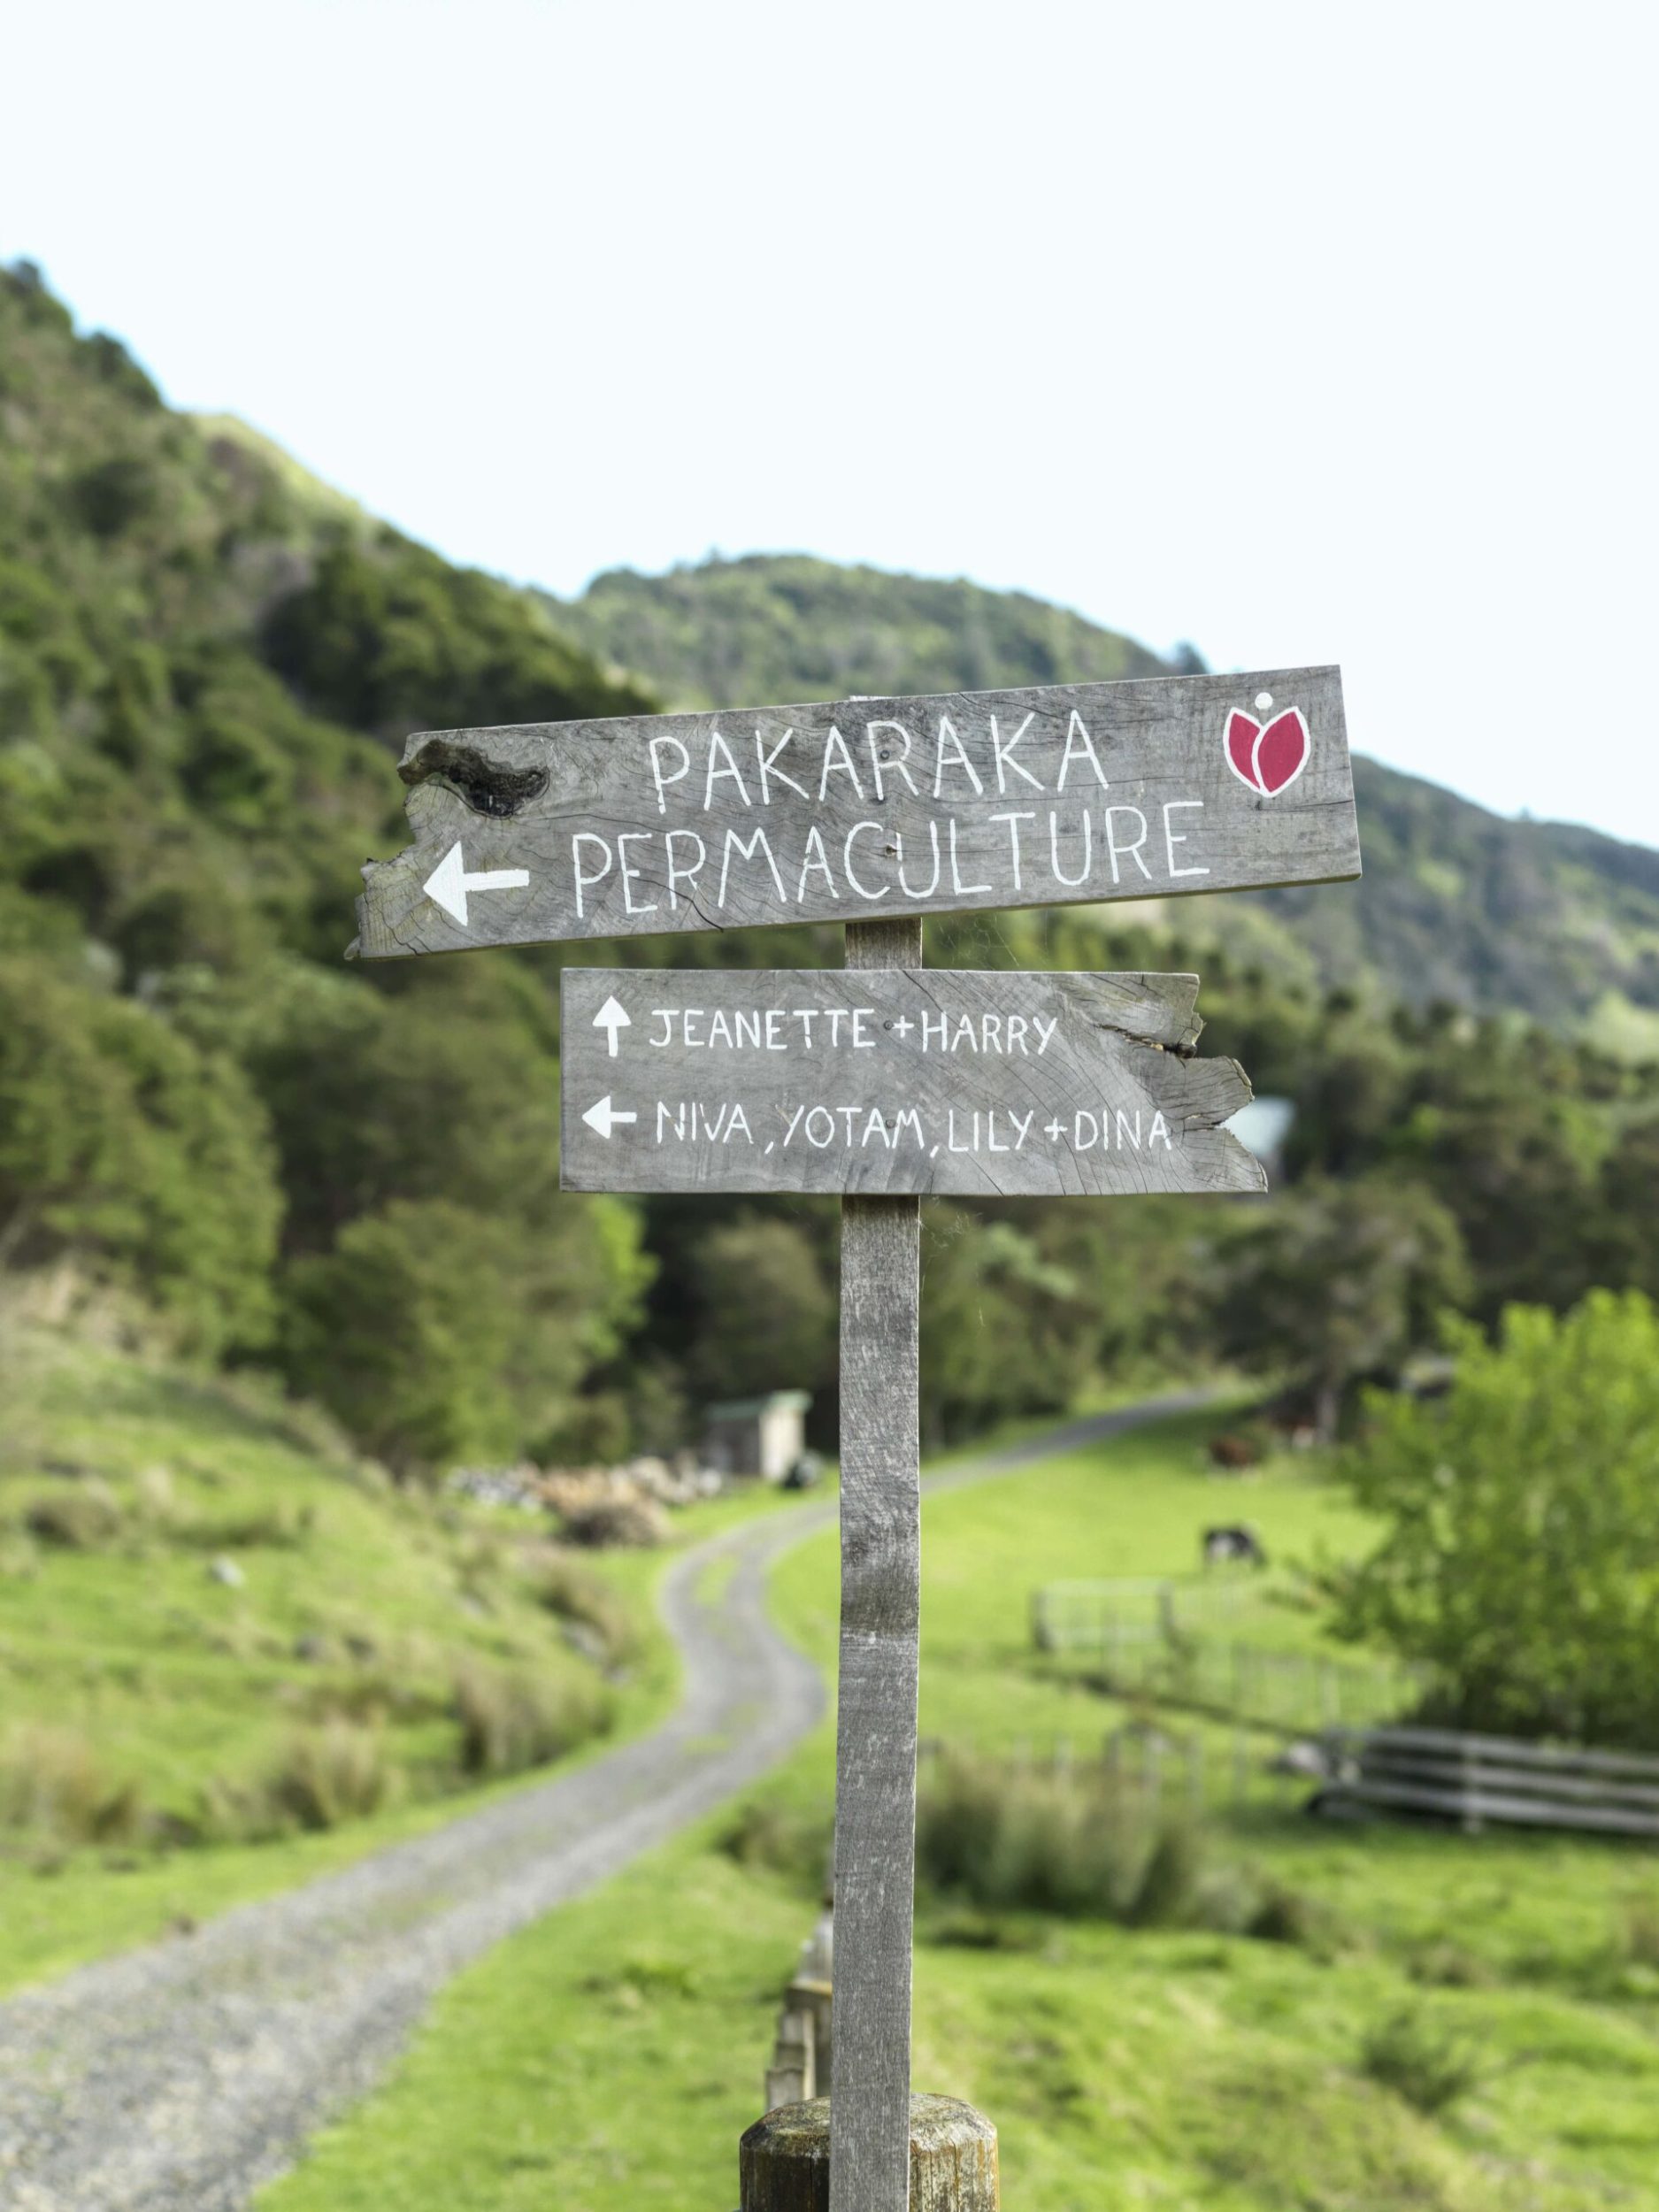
(883, 1082)
(867, 808)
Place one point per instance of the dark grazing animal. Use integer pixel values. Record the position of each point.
(1239, 1544)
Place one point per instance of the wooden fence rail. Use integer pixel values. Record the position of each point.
(1479, 1780)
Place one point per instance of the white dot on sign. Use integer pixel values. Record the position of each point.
(1263, 700)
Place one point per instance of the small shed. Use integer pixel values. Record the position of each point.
(757, 1436)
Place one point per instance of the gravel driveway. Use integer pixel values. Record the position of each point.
(179, 2077)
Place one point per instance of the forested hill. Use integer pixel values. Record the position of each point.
(1457, 903)
(212, 1124)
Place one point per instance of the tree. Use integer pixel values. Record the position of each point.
(1519, 1561)
(766, 1312)
(141, 1157)
(1338, 1280)
(1005, 1330)
(434, 1333)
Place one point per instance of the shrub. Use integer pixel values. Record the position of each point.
(574, 1594)
(1426, 2065)
(512, 1720)
(52, 1783)
(1001, 1836)
(330, 1775)
(1520, 1557)
(85, 1518)
(788, 1840)
(281, 1526)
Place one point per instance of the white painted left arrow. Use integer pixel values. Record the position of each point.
(603, 1117)
(611, 1016)
(449, 883)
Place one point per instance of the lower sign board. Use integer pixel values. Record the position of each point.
(893, 1082)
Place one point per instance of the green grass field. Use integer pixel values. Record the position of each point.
(609, 2057)
(125, 1667)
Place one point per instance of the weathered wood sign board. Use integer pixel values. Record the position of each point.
(867, 809)
(888, 1082)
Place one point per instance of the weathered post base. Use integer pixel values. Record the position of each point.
(784, 2160)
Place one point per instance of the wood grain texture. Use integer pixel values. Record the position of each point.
(822, 812)
(880, 1624)
(908, 1080)
(783, 2160)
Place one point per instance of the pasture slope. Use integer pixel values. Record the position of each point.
(235, 2039)
(608, 2058)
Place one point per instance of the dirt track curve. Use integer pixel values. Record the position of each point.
(182, 2077)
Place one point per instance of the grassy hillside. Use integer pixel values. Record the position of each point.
(611, 2056)
(1456, 904)
(232, 1653)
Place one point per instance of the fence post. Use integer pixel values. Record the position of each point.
(783, 2161)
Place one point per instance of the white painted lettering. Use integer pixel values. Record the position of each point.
(719, 750)
(837, 761)
(1060, 875)
(1004, 756)
(766, 763)
(963, 890)
(630, 874)
(879, 760)
(933, 881)
(682, 874)
(1013, 819)
(858, 830)
(660, 745)
(955, 758)
(1170, 840)
(587, 882)
(816, 858)
(1075, 732)
(759, 841)
(1115, 852)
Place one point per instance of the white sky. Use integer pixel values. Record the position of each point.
(1307, 332)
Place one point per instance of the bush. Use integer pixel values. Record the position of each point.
(51, 1783)
(87, 1518)
(1520, 1562)
(791, 1841)
(574, 1594)
(331, 1775)
(125, 1147)
(1426, 2065)
(1003, 1836)
(509, 1721)
(437, 1335)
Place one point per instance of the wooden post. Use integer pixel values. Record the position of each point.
(784, 2161)
(880, 1619)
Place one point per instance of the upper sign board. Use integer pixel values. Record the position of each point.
(863, 809)
(886, 1081)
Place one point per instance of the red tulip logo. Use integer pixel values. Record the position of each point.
(1269, 757)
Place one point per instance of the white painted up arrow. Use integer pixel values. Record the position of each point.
(605, 1117)
(449, 883)
(611, 1018)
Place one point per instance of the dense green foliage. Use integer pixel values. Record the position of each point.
(774, 627)
(1341, 1279)
(206, 664)
(1520, 1561)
